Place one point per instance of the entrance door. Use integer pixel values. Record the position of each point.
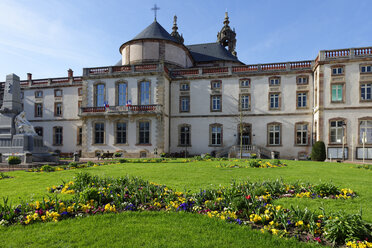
(246, 135)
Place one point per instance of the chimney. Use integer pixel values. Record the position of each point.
(29, 76)
(70, 73)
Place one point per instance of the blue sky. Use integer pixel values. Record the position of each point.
(48, 37)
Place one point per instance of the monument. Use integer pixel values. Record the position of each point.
(17, 135)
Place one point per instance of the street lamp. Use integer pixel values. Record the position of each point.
(343, 124)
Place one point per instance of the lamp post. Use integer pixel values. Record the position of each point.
(364, 139)
(343, 124)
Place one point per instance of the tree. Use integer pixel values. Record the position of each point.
(318, 152)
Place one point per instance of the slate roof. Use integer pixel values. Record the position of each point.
(210, 52)
(154, 31)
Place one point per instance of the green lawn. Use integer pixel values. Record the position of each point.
(174, 230)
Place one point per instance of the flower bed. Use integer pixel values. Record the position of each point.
(253, 163)
(4, 176)
(248, 203)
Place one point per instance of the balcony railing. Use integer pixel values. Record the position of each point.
(130, 109)
(348, 53)
(118, 69)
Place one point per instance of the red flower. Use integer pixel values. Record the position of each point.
(248, 197)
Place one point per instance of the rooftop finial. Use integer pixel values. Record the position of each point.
(174, 28)
(226, 21)
(175, 34)
(155, 9)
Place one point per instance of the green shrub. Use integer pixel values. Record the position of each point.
(318, 152)
(14, 160)
(72, 164)
(122, 160)
(47, 168)
(117, 154)
(90, 164)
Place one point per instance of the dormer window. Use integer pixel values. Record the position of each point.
(337, 70)
(366, 68)
(184, 87)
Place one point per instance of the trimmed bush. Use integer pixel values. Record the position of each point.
(318, 152)
(14, 160)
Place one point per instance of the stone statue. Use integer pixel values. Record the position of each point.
(23, 126)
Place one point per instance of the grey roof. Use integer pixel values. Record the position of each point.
(210, 52)
(154, 31)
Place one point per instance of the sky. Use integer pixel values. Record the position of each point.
(46, 38)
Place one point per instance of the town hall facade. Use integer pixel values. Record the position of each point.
(164, 96)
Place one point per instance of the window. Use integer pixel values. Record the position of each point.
(301, 99)
(184, 86)
(57, 136)
(100, 95)
(144, 132)
(365, 92)
(336, 131)
(215, 134)
(216, 103)
(215, 85)
(365, 130)
(245, 102)
(80, 91)
(336, 153)
(184, 138)
(337, 70)
(184, 104)
(38, 94)
(301, 133)
(121, 94)
(366, 153)
(58, 109)
(274, 131)
(99, 133)
(302, 80)
(144, 93)
(273, 81)
(38, 110)
(58, 93)
(245, 83)
(39, 131)
(337, 92)
(121, 133)
(79, 136)
(366, 68)
(274, 99)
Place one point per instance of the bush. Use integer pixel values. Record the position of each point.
(47, 168)
(90, 164)
(14, 160)
(72, 164)
(318, 152)
(122, 160)
(117, 154)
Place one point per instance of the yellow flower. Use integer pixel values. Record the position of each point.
(274, 231)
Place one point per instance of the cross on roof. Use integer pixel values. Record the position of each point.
(155, 9)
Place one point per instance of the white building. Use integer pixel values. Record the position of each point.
(164, 96)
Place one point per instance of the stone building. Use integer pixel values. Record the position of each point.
(164, 96)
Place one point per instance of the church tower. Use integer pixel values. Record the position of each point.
(174, 33)
(226, 37)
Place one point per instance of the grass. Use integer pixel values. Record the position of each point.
(146, 229)
(180, 229)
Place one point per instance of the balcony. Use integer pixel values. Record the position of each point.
(121, 110)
